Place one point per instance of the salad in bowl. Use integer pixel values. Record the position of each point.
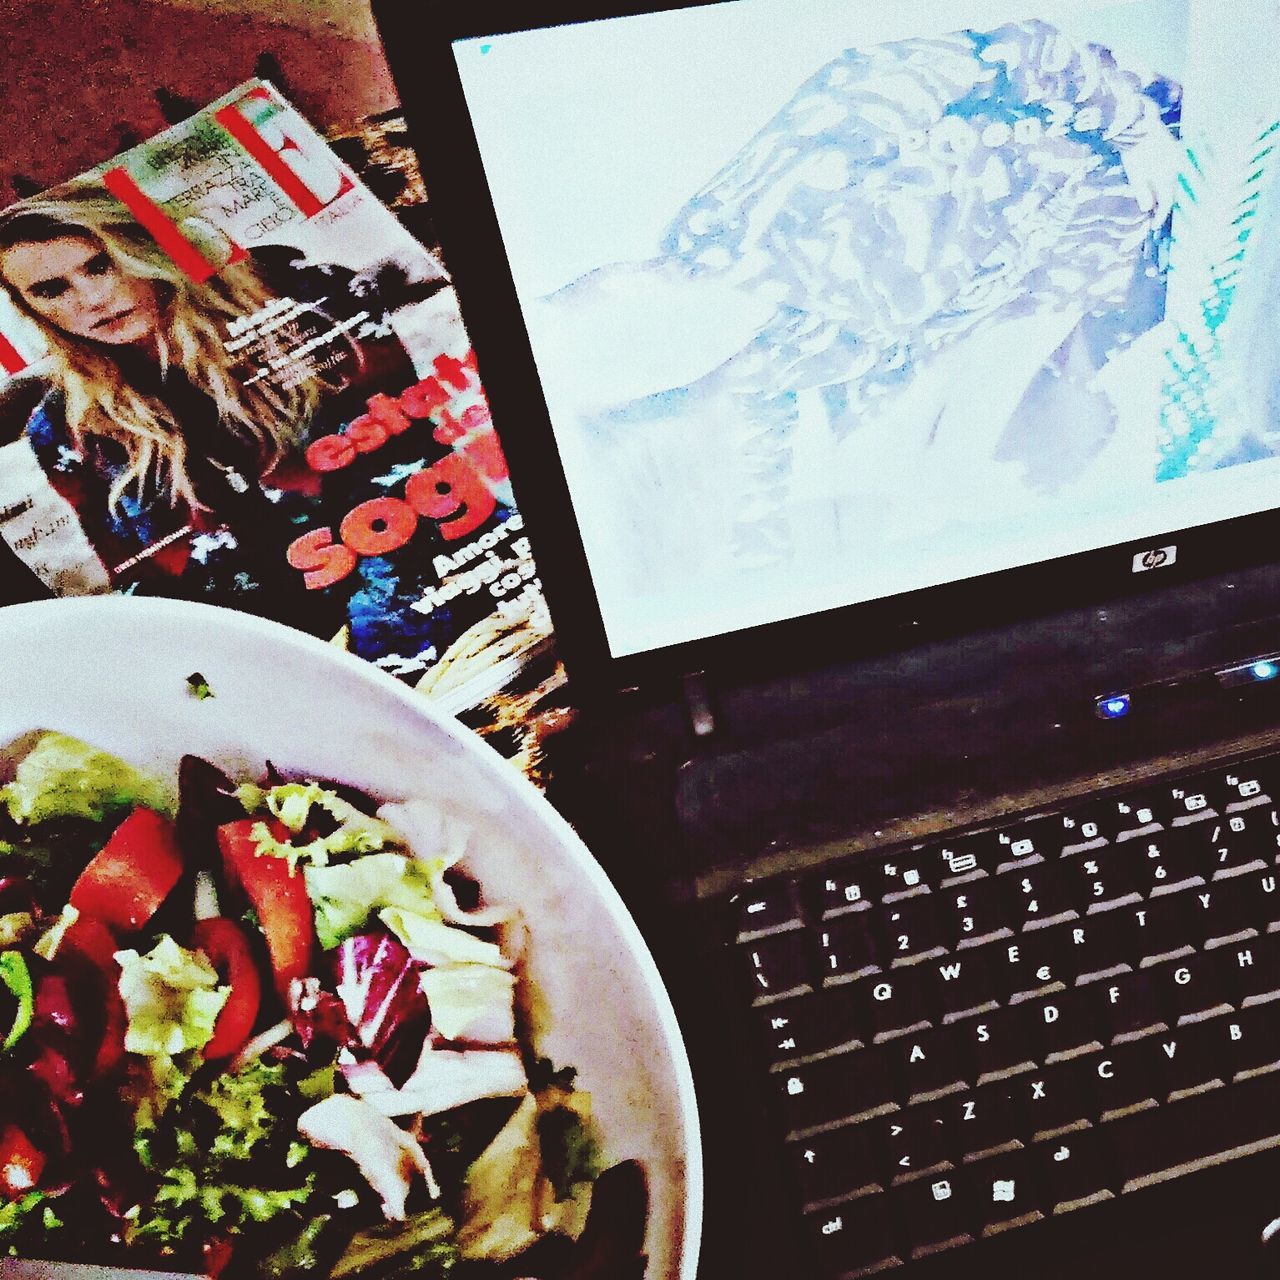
(272, 1021)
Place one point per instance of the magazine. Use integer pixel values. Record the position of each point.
(228, 373)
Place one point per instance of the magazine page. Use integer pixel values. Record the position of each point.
(229, 374)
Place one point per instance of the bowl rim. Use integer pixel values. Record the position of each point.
(120, 611)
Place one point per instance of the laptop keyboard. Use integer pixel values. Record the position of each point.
(976, 1033)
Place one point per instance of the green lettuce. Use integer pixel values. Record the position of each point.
(171, 997)
(228, 1158)
(17, 977)
(345, 896)
(422, 1246)
(295, 804)
(436, 943)
(62, 777)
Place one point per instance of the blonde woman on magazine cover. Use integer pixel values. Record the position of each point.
(184, 470)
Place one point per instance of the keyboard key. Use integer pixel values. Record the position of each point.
(1053, 1097)
(1249, 1039)
(895, 1002)
(1247, 782)
(1137, 811)
(1038, 893)
(1224, 908)
(1001, 1041)
(1038, 958)
(838, 1163)
(915, 1140)
(973, 911)
(1189, 798)
(848, 947)
(1250, 968)
(831, 1089)
(1064, 1022)
(1123, 1076)
(910, 929)
(1196, 1130)
(1007, 1190)
(1126, 1006)
(961, 856)
(1098, 877)
(963, 981)
(1165, 860)
(847, 887)
(798, 1028)
(1087, 823)
(852, 1237)
(1098, 943)
(927, 1062)
(776, 966)
(1190, 989)
(905, 871)
(1159, 927)
(937, 1209)
(1233, 842)
(1244, 902)
(1033, 841)
(982, 1119)
(766, 908)
(1071, 1167)
(1191, 1056)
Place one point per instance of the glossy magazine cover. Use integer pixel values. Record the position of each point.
(231, 375)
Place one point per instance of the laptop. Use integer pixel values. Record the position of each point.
(890, 391)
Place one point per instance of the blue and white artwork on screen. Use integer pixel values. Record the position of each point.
(830, 304)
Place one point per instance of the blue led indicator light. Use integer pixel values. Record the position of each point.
(485, 48)
(1265, 670)
(1114, 708)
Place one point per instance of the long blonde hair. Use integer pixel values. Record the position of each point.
(191, 338)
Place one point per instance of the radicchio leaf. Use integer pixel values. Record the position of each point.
(318, 1015)
(377, 981)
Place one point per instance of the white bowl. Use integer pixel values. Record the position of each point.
(113, 671)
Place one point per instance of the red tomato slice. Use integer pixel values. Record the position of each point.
(278, 895)
(20, 1163)
(132, 874)
(94, 941)
(223, 941)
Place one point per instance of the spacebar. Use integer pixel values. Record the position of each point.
(1201, 1130)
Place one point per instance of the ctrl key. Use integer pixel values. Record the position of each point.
(850, 1239)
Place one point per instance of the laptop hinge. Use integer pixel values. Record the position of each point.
(698, 704)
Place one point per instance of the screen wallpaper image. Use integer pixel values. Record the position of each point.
(944, 300)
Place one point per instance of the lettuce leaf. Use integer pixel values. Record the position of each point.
(227, 1156)
(299, 804)
(62, 777)
(472, 1002)
(171, 998)
(345, 896)
(436, 943)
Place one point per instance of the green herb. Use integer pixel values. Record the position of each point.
(570, 1152)
(199, 686)
(17, 977)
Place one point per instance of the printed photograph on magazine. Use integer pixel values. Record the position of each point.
(228, 374)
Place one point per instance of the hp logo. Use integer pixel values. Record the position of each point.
(1154, 558)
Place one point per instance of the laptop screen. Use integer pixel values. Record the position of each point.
(833, 302)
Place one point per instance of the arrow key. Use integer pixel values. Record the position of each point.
(840, 1163)
(915, 1141)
